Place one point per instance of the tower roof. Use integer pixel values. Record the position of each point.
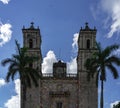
(59, 64)
(87, 28)
(31, 27)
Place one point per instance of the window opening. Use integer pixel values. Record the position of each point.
(59, 104)
(30, 43)
(88, 43)
(30, 65)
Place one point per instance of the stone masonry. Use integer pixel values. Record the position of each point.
(60, 89)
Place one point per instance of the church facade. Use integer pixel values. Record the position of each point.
(60, 89)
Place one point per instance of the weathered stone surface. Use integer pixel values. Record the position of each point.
(71, 91)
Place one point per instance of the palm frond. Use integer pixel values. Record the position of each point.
(24, 50)
(13, 65)
(31, 59)
(18, 47)
(18, 64)
(97, 78)
(14, 72)
(33, 74)
(113, 59)
(16, 56)
(113, 70)
(28, 81)
(99, 48)
(7, 61)
(108, 50)
(9, 73)
(103, 73)
(34, 80)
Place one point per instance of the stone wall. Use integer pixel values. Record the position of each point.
(65, 91)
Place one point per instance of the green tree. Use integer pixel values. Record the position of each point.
(117, 105)
(19, 64)
(97, 64)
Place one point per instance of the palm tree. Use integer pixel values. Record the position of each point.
(117, 105)
(101, 60)
(19, 64)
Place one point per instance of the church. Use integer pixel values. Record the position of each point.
(60, 89)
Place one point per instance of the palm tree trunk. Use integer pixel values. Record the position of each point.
(101, 98)
(23, 96)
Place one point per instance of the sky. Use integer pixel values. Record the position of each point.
(59, 22)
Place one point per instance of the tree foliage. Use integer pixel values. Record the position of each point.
(117, 105)
(101, 60)
(19, 64)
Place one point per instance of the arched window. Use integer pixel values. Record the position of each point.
(30, 65)
(59, 104)
(88, 43)
(30, 43)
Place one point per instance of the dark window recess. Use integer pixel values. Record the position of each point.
(88, 44)
(30, 65)
(59, 105)
(30, 96)
(30, 43)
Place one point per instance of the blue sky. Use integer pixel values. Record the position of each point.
(59, 22)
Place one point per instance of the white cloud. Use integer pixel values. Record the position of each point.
(5, 1)
(14, 101)
(111, 18)
(47, 65)
(114, 103)
(48, 62)
(75, 44)
(5, 33)
(95, 10)
(112, 8)
(72, 66)
(117, 52)
(2, 82)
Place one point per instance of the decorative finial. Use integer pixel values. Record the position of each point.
(94, 28)
(32, 25)
(86, 25)
(23, 27)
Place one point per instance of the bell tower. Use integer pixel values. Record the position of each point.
(86, 46)
(32, 41)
